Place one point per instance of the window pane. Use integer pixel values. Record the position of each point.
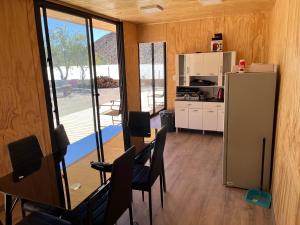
(145, 54)
(159, 76)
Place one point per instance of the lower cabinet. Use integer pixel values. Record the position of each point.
(195, 119)
(221, 115)
(182, 117)
(210, 119)
(199, 115)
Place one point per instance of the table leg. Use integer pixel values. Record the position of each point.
(8, 212)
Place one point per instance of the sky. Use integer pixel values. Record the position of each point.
(98, 33)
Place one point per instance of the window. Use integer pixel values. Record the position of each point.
(152, 58)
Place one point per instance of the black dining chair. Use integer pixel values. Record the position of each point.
(38, 218)
(62, 142)
(139, 124)
(25, 156)
(145, 176)
(107, 204)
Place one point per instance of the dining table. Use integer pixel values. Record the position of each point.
(45, 185)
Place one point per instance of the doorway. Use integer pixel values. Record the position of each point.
(83, 79)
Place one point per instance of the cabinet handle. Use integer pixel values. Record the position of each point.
(195, 110)
(211, 111)
(182, 110)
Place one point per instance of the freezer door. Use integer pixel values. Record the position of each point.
(249, 114)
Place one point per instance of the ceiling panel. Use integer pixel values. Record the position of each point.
(174, 10)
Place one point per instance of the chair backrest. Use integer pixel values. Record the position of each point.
(62, 142)
(139, 124)
(157, 156)
(120, 193)
(26, 156)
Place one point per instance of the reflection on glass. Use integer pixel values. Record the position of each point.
(145, 54)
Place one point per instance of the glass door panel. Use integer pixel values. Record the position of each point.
(152, 76)
(71, 86)
(71, 74)
(108, 86)
(159, 76)
(146, 77)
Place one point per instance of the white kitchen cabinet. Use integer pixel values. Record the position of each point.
(194, 64)
(195, 119)
(182, 117)
(212, 63)
(199, 115)
(203, 64)
(210, 119)
(220, 120)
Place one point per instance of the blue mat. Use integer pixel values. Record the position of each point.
(81, 148)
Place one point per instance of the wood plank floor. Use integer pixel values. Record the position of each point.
(195, 194)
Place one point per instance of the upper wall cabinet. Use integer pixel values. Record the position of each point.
(203, 64)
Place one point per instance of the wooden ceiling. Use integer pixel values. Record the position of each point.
(174, 10)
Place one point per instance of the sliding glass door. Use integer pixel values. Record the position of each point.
(82, 58)
(159, 76)
(70, 74)
(152, 59)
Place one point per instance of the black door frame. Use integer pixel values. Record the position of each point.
(44, 4)
(155, 113)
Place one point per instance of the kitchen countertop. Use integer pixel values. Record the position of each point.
(208, 100)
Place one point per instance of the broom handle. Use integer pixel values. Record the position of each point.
(262, 164)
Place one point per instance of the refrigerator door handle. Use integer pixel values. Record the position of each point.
(262, 163)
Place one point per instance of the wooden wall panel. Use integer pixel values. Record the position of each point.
(152, 33)
(132, 66)
(23, 108)
(132, 72)
(285, 51)
(247, 34)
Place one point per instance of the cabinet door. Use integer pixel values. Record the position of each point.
(220, 120)
(210, 119)
(194, 64)
(212, 63)
(181, 117)
(195, 119)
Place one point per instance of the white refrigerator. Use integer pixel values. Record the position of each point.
(248, 129)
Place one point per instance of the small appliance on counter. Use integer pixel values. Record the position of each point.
(201, 82)
(220, 95)
(188, 94)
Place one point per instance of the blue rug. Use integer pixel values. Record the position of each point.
(81, 148)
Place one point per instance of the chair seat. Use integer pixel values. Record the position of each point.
(112, 112)
(141, 175)
(42, 219)
(30, 206)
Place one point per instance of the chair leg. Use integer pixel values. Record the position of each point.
(161, 191)
(164, 176)
(150, 207)
(22, 209)
(143, 196)
(130, 215)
